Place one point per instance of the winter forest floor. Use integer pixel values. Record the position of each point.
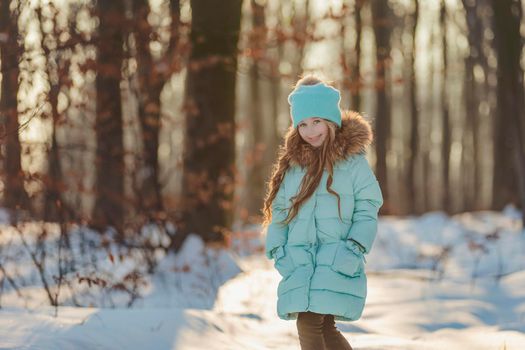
(434, 282)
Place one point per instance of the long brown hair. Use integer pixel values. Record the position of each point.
(314, 170)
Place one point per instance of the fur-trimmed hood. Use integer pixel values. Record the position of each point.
(353, 137)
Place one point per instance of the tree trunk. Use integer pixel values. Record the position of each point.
(468, 165)
(57, 70)
(257, 169)
(300, 33)
(351, 60)
(274, 136)
(509, 159)
(152, 77)
(446, 139)
(472, 180)
(209, 146)
(414, 119)
(382, 24)
(356, 83)
(15, 196)
(150, 87)
(109, 202)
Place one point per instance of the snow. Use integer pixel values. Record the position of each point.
(434, 282)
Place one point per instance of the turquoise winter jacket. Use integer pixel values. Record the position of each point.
(320, 255)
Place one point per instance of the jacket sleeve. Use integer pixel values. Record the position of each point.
(277, 232)
(368, 200)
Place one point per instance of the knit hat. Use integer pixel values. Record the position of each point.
(319, 100)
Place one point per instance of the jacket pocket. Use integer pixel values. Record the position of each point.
(348, 260)
(283, 261)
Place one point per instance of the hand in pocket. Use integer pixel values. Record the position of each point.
(348, 260)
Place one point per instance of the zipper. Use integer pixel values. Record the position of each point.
(311, 251)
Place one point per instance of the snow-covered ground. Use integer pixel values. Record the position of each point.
(434, 282)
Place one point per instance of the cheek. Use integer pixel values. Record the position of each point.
(301, 133)
(323, 130)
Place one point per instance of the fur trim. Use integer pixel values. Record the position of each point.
(353, 137)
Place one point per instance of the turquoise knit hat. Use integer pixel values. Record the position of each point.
(319, 100)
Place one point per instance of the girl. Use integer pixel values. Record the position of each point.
(321, 215)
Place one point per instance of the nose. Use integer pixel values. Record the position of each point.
(310, 131)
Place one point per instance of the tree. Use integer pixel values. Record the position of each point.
(56, 68)
(471, 139)
(509, 158)
(209, 147)
(110, 199)
(257, 171)
(414, 147)
(355, 65)
(382, 23)
(445, 150)
(152, 76)
(15, 196)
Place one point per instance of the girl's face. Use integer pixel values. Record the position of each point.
(313, 130)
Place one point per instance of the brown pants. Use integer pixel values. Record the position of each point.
(318, 332)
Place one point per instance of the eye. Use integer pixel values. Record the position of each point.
(302, 125)
(317, 121)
